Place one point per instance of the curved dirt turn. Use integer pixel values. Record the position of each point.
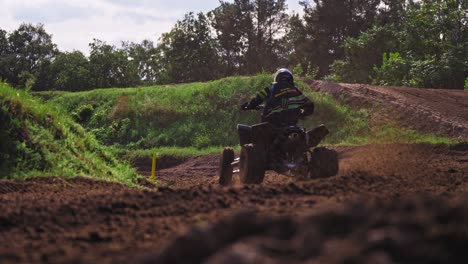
(82, 220)
(436, 111)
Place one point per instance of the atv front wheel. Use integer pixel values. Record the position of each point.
(252, 164)
(323, 163)
(225, 167)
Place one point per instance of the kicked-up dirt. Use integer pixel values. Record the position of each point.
(389, 203)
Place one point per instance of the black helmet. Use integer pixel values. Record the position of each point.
(284, 74)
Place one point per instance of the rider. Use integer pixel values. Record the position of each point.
(284, 103)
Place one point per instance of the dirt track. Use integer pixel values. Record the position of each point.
(82, 220)
(435, 111)
(389, 204)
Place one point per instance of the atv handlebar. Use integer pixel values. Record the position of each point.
(245, 107)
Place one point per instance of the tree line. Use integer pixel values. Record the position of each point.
(385, 42)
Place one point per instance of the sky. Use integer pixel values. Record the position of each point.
(74, 24)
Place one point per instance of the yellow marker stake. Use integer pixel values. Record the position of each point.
(153, 169)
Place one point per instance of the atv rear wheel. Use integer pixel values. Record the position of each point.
(252, 164)
(225, 167)
(323, 163)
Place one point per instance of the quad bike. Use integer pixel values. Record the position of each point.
(290, 150)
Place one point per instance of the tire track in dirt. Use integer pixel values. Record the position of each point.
(83, 220)
(434, 111)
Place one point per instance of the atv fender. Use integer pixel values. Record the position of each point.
(252, 164)
(257, 134)
(316, 135)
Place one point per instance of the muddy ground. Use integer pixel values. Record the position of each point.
(386, 198)
(388, 204)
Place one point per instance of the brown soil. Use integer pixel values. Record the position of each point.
(435, 111)
(83, 220)
(389, 203)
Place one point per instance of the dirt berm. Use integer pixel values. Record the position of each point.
(437, 111)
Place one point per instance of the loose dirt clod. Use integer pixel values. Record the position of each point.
(416, 230)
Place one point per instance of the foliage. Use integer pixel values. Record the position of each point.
(298, 71)
(183, 115)
(363, 53)
(265, 51)
(71, 71)
(328, 23)
(110, 67)
(390, 134)
(431, 41)
(36, 139)
(189, 51)
(145, 57)
(198, 115)
(310, 72)
(232, 29)
(393, 71)
(333, 39)
(24, 54)
(249, 34)
(297, 42)
(345, 124)
(200, 118)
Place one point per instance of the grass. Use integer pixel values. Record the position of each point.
(196, 118)
(85, 132)
(176, 152)
(39, 140)
(161, 115)
(199, 115)
(391, 134)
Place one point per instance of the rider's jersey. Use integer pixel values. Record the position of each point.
(283, 104)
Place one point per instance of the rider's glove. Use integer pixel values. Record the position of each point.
(307, 109)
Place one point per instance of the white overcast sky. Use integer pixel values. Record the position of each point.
(74, 23)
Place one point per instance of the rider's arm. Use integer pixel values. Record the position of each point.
(308, 108)
(258, 99)
(306, 104)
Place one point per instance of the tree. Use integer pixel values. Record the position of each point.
(296, 42)
(391, 12)
(427, 47)
(435, 39)
(363, 53)
(110, 67)
(71, 72)
(227, 20)
(330, 22)
(144, 58)
(4, 56)
(250, 34)
(189, 51)
(32, 48)
(270, 21)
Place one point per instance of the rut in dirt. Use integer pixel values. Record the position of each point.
(83, 220)
(435, 111)
(416, 230)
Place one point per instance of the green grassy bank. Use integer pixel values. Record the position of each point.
(37, 139)
(198, 115)
(82, 133)
(203, 115)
